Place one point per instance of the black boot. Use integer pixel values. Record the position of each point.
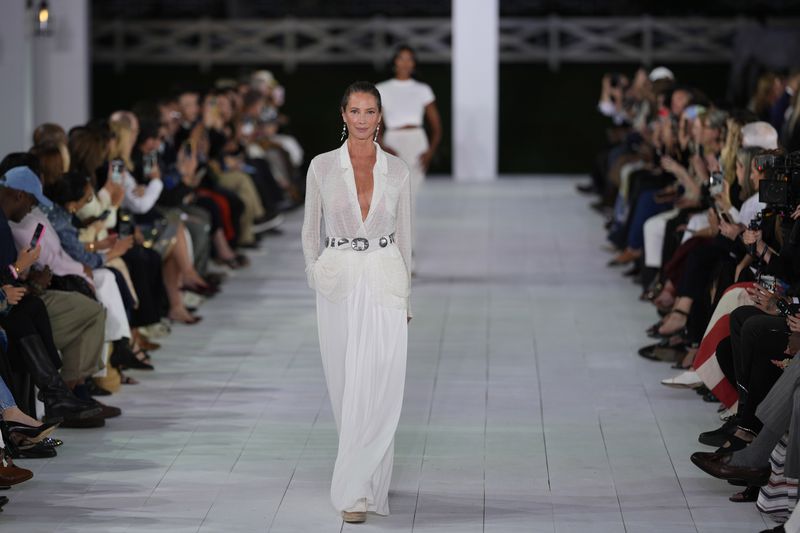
(59, 402)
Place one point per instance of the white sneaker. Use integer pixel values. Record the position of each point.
(267, 224)
(686, 380)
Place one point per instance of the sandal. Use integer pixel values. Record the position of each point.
(125, 359)
(688, 361)
(127, 380)
(652, 331)
(144, 343)
(137, 350)
(231, 263)
(188, 321)
(750, 494)
(652, 292)
(678, 331)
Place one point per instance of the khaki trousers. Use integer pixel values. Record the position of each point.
(78, 325)
(242, 185)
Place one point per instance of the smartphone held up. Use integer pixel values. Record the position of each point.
(37, 235)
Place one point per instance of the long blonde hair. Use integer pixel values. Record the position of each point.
(123, 144)
(745, 157)
(727, 156)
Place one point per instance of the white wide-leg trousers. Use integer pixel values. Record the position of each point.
(655, 230)
(364, 347)
(107, 290)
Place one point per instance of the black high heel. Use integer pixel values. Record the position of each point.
(32, 434)
(34, 451)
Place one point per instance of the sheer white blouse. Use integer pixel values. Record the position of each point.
(332, 197)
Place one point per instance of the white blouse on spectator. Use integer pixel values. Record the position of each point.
(99, 203)
(136, 203)
(404, 101)
(331, 196)
(750, 208)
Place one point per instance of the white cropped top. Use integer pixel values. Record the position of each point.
(404, 102)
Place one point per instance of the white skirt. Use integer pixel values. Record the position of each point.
(363, 348)
(409, 145)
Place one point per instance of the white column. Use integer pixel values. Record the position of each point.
(62, 66)
(16, 81)
(475, 91)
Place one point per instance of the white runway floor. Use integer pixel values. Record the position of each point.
(526, 408)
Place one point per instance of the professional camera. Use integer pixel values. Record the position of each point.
(780, 189)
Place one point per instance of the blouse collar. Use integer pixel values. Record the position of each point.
(380, 161)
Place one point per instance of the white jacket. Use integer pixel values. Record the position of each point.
(331, 195)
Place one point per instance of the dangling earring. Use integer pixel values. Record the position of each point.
(344, 132)
(376, 132)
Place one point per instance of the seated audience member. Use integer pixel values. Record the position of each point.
(47, 329)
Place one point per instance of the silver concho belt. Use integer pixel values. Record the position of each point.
(359, 244)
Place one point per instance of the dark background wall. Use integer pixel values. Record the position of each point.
(433, 8)
(548, 121)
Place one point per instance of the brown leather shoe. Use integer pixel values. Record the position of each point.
(108, 411)
(717, 465)
(628, 256)
(84, 423)
(10, 474)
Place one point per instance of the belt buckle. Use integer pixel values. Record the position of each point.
(360, 244)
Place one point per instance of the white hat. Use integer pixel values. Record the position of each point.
(264, 76)
(661, 73)
(759, 135)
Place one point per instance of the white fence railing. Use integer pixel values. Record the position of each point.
(291, 42)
